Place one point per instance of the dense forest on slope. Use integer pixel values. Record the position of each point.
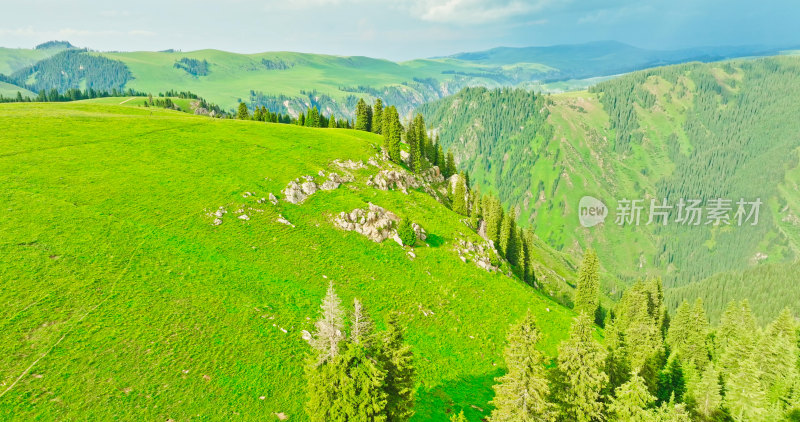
(694, 131)
(768, 287)
(72, 69)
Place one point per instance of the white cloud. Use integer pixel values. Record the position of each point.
(474, 11)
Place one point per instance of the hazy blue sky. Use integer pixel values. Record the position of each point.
(394, 29)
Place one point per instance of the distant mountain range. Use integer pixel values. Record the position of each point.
(289, 82)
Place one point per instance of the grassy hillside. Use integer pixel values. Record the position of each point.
(122, 300)
(14, 59)
(718, 130)
(9, 90)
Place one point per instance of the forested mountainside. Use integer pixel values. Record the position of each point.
(704, 132)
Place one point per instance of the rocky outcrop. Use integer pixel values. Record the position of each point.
(334, 181)
(391, 179)
(482, 254)
(421, 234)
(376, 223)
(433, 175)
(349, 164)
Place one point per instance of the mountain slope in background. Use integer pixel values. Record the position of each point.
(694, 131)
(292, 82)
(602, 58)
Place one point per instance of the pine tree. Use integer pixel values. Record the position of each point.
(778, 357)
(377, 116)
(494, 219)
(671, 381)
(631, 401)
(587, 296)
(706, 393)
(362, 395)
(459, 196)
(528, 240)
(744, 396)
(736, 338)
(406, 233)
(330, 327)
(363, 118)
(361, 330)
(400, 373)
(243, 113)
(580, 369)
(522, 393)
(391, 133)
(458, 417)
(617, 366)
(508, 231)
(332, 122)
(449, 166)
(440, 160)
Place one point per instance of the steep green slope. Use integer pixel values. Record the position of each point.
(695, 131)
(122, 300)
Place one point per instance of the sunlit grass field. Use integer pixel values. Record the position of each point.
(120, 300)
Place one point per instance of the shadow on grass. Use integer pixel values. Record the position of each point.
(434, 240)
(470, 394)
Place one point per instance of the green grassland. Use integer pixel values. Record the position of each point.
(121, 300)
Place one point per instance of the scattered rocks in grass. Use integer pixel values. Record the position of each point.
(421, 234)
(262, 397)
(217, 221)
(349, 164)
(426, 312)
(247, 194)
(220, 212)
(433, 175)
(309, 187)
(244, 217)
(272, 199)
(308, 178)
(411, 254)
(376, 223)
(321, 173)
(481, 254)
(391, 179)
(206, 378)
(293, 193)
(306, 335)
(281, 416)
(282, 220)
(334, 180)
